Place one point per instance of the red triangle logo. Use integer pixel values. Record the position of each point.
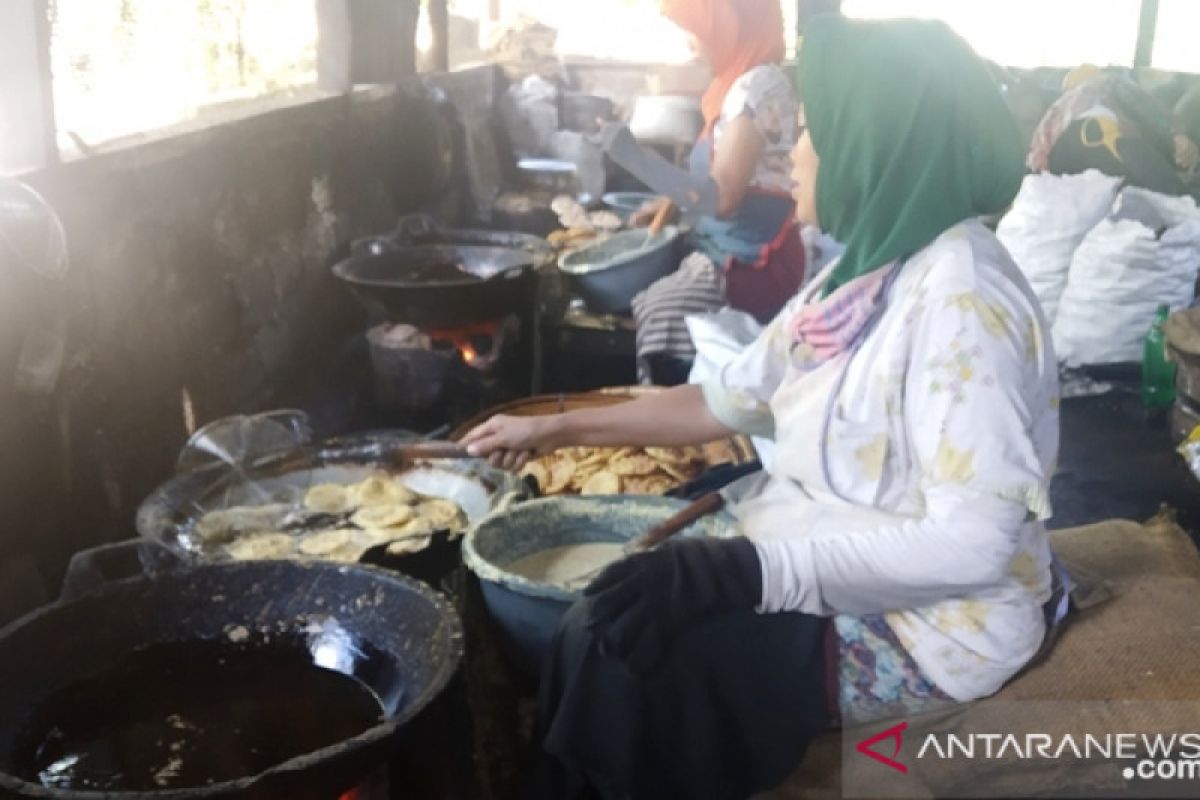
(896, 735)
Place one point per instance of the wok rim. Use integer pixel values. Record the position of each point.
(526, 261)
(573, 263)
(721, 525)
(450, 629)
(354, 449)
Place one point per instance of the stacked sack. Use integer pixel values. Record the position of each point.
(1101, 260)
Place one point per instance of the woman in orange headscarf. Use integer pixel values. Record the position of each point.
(751, 248)
(734, 37)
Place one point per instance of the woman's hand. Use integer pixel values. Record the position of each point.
(649, 210)
(509, 442)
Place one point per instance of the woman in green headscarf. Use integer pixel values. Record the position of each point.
(912, 396)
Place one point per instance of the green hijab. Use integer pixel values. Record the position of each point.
(912, 132)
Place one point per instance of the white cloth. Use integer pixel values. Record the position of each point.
(912, 477)
(720, 337)
(765, 95)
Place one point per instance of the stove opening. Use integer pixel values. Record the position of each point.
(480, 345)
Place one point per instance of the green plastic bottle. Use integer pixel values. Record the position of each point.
(1158, 372)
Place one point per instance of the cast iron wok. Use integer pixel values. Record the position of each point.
(412, 634)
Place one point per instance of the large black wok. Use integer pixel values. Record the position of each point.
(395, 635)
(418, 230)
(441, 286)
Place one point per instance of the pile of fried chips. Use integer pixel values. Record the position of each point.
(613, 470)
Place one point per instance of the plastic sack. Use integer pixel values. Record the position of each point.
(1144, 254)
(1049, 219)
(719, 337)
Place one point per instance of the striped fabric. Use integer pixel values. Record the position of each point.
(695, 288)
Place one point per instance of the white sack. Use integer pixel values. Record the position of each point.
(1146, 252)
(1050, 217)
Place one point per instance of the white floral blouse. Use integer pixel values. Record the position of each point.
(765, 95)
(911, 477)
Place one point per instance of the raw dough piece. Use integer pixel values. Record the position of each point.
(328, 498)
(383, 516)
(261, 547)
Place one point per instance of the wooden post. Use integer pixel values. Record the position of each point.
(439, 21)
(365, 41)
(333, 45)
(1147, 25)
(27, 129)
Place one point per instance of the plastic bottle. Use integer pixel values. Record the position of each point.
(1158, 372)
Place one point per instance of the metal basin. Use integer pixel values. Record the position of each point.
(608, 275)
(528, 612)
(626, 204)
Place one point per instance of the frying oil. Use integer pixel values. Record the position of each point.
(176, 716)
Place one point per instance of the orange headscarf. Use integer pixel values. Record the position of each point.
(739, 36)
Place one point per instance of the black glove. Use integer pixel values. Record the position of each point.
(638, 605)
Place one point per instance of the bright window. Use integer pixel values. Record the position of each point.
(1031, 33)
(1175, 39)
(127, 66)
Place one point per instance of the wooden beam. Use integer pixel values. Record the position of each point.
(1147, 26)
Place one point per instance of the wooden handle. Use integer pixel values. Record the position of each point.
(432, 450)
(710, 503)
(660, 219)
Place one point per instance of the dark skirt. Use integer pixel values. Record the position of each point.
(728, 714)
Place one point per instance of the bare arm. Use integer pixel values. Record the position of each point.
(673, 418)
(736, 162)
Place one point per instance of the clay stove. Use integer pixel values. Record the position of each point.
(441, 375)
